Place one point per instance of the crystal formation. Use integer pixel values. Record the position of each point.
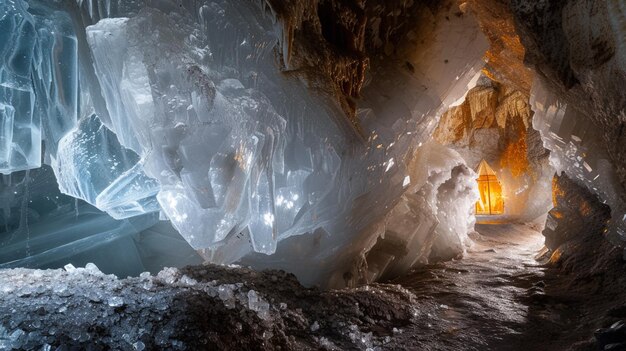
(179, 109)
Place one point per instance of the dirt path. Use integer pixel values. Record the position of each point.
(486, 301)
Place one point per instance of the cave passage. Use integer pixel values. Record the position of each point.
(486, 300)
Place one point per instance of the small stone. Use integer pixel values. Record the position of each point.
(16, 335)
(115, 301)
(169, 275)
(36, 324)
(84, 337)
(185, 280)
(139, 346)
(92, 268)
(615, 347)
(258, 304)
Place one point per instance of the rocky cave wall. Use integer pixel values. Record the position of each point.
(574, 57)
(331, 44)
(578, 48)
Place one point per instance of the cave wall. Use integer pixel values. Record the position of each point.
(330, 43)
(574, 56)
(578, 48)
(577, 216)
(505, 57)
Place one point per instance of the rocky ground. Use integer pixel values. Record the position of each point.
(475, 303)
(501, 298)
(202, 307)
(497, 298)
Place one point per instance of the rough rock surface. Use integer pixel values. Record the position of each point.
(489, 106)
(578, 46)
(505, 58)
(332, 43)
(577, 214)
(199, 307)
(586, 273)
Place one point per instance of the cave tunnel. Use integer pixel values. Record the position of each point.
(306, 175)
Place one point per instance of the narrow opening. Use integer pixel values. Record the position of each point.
(491, 200)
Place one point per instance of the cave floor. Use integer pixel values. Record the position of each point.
(498, 297)
(493, 299)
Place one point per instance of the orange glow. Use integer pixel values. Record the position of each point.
(491, 201)
(585, 209)
(557, 193)
(556, 214)
(556, 256)
(514, 157)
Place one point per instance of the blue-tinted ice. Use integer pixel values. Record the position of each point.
(179, 111)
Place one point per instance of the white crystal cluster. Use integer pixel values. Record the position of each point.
(182, 110)
(575, 146)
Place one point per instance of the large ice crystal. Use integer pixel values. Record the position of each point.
(182, 109)
(20, 127)
(43, 228)
(433, 217)
(38, 82)
(93, 166)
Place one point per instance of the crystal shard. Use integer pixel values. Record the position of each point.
(93, 166)
(20, 130)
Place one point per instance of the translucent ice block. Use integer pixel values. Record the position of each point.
(92, 165)
(20, 130)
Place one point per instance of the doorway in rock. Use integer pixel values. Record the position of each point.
(491, 201)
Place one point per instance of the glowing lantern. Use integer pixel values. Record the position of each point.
(491, 201)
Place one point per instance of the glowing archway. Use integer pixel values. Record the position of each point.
(491, 201)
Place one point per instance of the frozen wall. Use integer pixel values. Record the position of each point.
(43, 228)
(38, 82)
(182, 110)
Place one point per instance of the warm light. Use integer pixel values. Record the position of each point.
(491, 201)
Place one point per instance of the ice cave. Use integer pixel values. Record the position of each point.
(312, 175)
